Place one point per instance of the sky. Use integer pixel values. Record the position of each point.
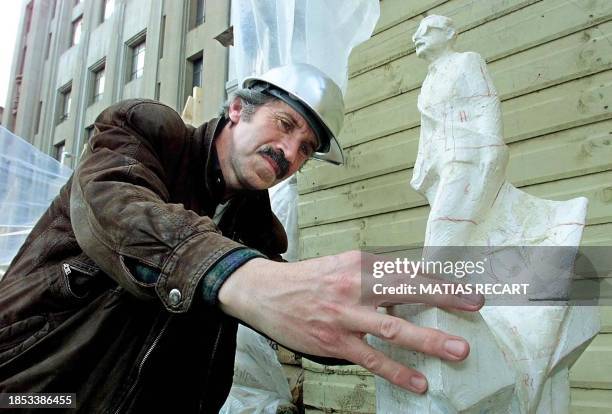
(9, 20)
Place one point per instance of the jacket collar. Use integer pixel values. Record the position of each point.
(260, 222)
(213, 177)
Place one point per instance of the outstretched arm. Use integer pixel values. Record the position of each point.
(314, 306)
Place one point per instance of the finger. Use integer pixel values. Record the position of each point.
(408, 335)
(379, 364)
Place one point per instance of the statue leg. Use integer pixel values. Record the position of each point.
(463, 197)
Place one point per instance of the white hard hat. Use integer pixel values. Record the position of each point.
(315, 96)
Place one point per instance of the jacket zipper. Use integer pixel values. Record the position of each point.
(212, 359)
(140, 366)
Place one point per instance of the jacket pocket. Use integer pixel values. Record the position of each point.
(79, 279)
(19, 336)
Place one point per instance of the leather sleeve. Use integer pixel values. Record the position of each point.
(120, 210)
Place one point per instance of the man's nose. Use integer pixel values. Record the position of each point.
(291, 148)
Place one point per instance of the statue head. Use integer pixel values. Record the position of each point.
(435, 36)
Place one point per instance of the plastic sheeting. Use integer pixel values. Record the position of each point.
(271, 33)
(29, 180)
(283, 200)
(260, 386)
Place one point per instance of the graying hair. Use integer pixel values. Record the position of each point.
(251, 99)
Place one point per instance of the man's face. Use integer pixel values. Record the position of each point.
(269, 147)
(429, 41)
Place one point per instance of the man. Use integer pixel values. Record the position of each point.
(462, 158)
(129, 289)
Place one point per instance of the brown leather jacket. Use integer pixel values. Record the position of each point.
(74, 317)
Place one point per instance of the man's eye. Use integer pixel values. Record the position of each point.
(285, 125)
(307, 150)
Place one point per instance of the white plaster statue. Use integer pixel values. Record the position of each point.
(520, 355)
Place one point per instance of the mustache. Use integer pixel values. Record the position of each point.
(279, 158)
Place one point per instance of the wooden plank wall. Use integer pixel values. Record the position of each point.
(551, 61)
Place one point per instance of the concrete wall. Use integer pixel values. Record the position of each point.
(167, 73)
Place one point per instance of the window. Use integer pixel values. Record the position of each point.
(199, 15)
(48, 50)
(98, 83)
(65, 100)
(76, 31)
(59, 151)
(197, 72)
(38, 112)
(22, 61)
(138, 59)
(157, 90)
(162, 36)
(108, 7)
(28, 17)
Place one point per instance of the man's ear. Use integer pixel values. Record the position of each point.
(235, 108)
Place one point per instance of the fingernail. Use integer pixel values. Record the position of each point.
(418, 383)
(472, 299)
(455, 347)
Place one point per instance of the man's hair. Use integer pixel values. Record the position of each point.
(251, 99)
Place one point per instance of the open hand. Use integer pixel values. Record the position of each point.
(315, 306)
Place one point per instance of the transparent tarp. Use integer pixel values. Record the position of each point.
(29, 180)
(271, 33)
(259, 386)
(283, 200)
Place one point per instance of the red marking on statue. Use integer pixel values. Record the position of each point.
(456, 220)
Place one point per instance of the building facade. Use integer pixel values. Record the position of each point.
(73, 58)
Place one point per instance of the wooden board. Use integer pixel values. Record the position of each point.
(398, 151)
(391, 193)
(584, 401)
(396, 42)
(401, 231)
(312, 366)
(351, 389)
(574, 56)
(577, 152)
(500, 28)
(381, 156)
(594, 367)
(550, 61)
(394, 12)
(343, 388)
(564, 106)
(606, 319)
(597, 235)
